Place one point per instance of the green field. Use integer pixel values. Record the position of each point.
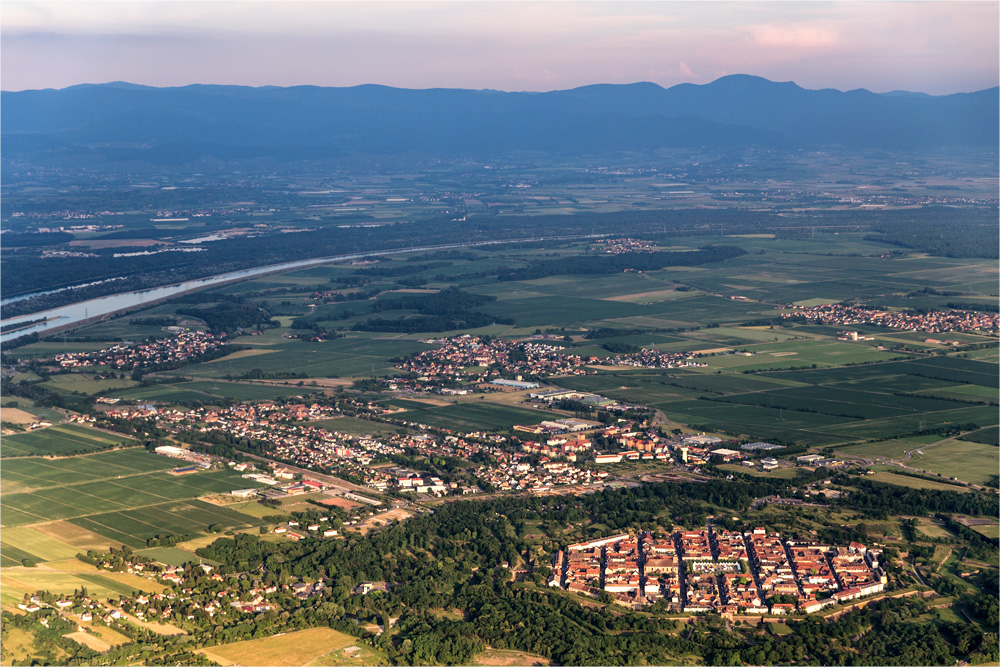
(61, 440)
(968, 461)
(34, 544)
(342, 357)
(32, 473)
(989, 530)
(134, 526)
(124, 495)
(472, 416)
(82, 383)
(987, 436)
(355, 426)
(173, 556)
(891, 449)
(52, 347)
(913, 482)
(800, 353)
(818, 407)
(208, 392)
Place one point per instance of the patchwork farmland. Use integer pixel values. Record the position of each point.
(61, 440)
(124, 497)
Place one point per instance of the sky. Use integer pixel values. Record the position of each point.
(932, 47)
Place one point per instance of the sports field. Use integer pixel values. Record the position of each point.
(61, 440)
(173, 556)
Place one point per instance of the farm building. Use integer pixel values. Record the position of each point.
(516, 384)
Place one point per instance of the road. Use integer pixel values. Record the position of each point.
(329, 479)
(898, 463)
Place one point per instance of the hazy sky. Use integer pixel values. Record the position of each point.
(933, 47)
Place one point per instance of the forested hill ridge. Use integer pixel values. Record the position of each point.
(124, 122)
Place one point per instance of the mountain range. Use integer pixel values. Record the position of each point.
(121, 121)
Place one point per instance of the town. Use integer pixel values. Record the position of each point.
(183, 346)
(756, 572)
(940, 321)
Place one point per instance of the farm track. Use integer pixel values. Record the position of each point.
(50, 457)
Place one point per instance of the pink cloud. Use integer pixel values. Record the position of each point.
(793, 35)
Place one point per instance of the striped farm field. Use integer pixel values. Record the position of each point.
(31, 580)
(134, 527)
(61, 440)
(54, 508)
(40, 546)
(116, 466)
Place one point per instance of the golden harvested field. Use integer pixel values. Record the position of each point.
(503, 658)
(39, 544)
(100, 583)
(243, 353)
(18, 646)
(648, 297)
(106, 634)
(68, 565)
(89, 640)
(72, 534)
(292, 649)
(17, 416)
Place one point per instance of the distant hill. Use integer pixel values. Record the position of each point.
(119, 121)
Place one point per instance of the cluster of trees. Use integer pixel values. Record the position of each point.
(20, 325)
(604, 264)
(152, 321)
(880, 500)
(948, 232)
(231, 315)
(448, 309)
(50, 646)
(981, 307)
(401, 270)
(449, 560)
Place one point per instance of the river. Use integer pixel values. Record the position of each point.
(113, 303)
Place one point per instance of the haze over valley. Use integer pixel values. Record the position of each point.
(695, 372)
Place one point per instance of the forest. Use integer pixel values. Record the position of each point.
(449, 560)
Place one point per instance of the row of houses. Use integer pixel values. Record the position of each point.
(935, 321)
